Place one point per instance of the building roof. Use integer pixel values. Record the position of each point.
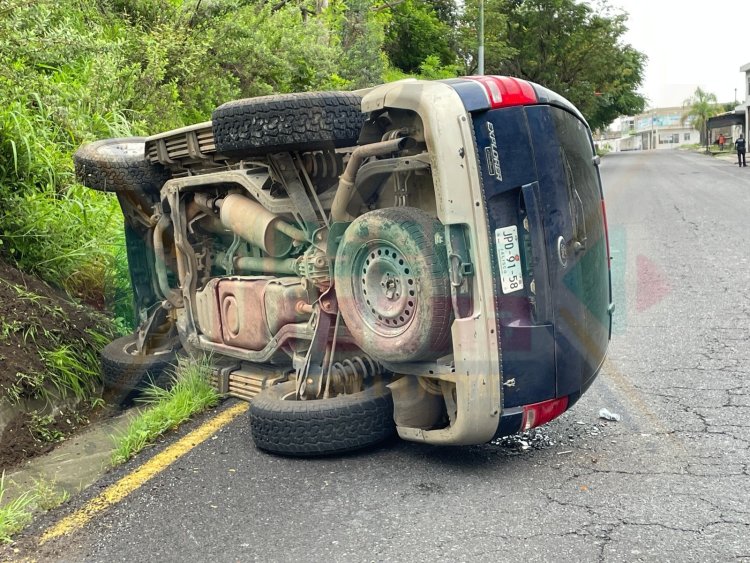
(726, 119)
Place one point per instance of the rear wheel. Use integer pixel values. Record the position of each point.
(288, 122)
(118, 165)
(392, 285)
(125, 373)
(284, 425)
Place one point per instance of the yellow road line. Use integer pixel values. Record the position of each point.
(122, 488)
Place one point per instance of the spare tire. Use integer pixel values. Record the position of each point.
(283, 425)
(288, 122)
(125, 373)
(118, 165)
(392, 285)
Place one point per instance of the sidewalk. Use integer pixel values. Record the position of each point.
(75, 463)
(728, 155)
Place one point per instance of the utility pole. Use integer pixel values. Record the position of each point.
(480, 66)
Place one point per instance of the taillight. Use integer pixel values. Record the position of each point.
(541, 413)
(505, 91)
(606, 233)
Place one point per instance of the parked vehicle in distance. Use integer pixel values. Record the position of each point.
(423, 257)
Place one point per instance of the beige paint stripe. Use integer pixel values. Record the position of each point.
(129, 483)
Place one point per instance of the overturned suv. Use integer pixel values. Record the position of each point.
(427, 258)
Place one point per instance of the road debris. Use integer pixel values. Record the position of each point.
(532, 439)
(607, 415)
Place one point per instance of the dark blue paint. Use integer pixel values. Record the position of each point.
(528, 350)
(514, 149)
(565, 281)
(546, 353)
(528, 363)
(472, 94)
(546, 96)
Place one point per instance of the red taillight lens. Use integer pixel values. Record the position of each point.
(505, 91)
(541, 413)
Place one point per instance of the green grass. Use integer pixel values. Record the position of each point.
(48, 495)
(16, 514)
(190, 394)
(72, 371)
(70, 357)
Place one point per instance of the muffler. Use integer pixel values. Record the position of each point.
(254, 223)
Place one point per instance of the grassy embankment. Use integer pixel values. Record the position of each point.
(166, 409)
(72, 72)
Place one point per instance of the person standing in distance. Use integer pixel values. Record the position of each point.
(739, 144)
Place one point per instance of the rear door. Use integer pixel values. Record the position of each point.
(526, 337)
(569, 200)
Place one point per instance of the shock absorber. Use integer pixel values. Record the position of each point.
(323, 164)
(348, 375)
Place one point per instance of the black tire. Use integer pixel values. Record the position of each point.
(392, 285)
(320, 427)
(288, 122)
(125, 374)
(118, 165)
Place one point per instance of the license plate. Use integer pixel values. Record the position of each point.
(509, 259)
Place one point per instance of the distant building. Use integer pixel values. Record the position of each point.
(730, 124)
(746, 105)
(658, 128)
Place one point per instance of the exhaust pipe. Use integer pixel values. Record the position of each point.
(345, 190)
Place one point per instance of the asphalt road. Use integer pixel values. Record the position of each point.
(669, 482)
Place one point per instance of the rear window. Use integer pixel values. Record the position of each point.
(585, 200)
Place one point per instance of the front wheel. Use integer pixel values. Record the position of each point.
(282, 424)
(125, 373)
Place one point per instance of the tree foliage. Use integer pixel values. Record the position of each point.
(497, 49)
(415, 32)
(74, 71)
(572, 49)
(702, 105)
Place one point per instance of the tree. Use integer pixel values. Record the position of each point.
(702, 105)
(571, 49)
(496, 47)
(359, 26)
(414, 33)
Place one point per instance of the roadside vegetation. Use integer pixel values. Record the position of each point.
(49, 381)
(72, 72)
(163, 410)
(191, 393)
(16, 513)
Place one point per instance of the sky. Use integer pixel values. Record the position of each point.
(689, 44)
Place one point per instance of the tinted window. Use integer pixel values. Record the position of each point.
(585, 200)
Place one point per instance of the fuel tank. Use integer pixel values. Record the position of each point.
(247, 311)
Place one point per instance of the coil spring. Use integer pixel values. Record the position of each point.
(349, 374)
(323, 164)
